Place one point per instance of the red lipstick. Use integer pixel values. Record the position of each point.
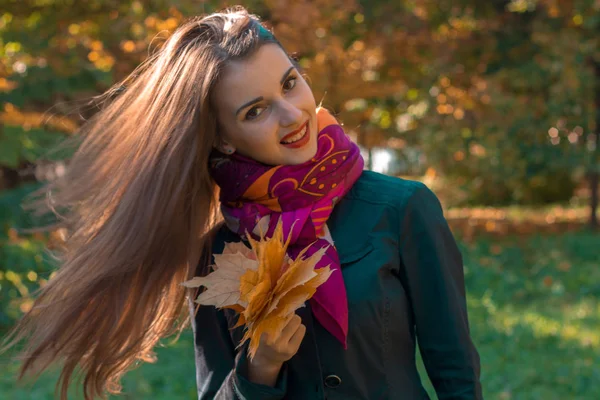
(300, 142)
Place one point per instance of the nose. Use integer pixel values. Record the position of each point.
(290, 115)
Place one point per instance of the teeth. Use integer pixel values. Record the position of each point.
(296, 137)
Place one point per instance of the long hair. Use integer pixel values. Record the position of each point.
(137, 203)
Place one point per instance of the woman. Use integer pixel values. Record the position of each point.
(221, 103)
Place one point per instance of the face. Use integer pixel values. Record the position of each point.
(266, 110)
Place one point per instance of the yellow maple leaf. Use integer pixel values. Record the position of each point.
(257, 300)
(247, 283)
(271, 254)
(272, 325)
(296, 297)
(283, 286)
(262, 284)
(286, 294)
(299, 272)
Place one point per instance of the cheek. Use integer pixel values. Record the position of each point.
(306, 94)
(259, 136)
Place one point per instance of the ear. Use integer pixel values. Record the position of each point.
(221, 143)
(224, 146)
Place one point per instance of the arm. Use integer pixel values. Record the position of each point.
(220, 372)
(432, 271)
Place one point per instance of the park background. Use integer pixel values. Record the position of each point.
(494, 104)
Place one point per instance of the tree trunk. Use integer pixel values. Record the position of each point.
(594, 173)
(9, 178)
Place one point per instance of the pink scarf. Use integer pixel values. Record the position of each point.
(304, 194)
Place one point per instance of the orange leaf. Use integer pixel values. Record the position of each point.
(296, 297)
(257, 300)
(271, 254)
(235, 307)
(266, 285)
(241, 321)
(248, 282)
(300, 272)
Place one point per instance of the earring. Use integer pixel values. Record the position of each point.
(228, 149)
(225, 147)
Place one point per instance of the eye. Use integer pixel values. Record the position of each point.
(254, 112)
(289, 83)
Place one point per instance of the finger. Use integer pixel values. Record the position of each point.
(273, 338)
(296, 339)
(291, 327)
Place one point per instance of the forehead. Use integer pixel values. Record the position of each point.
(258, 75)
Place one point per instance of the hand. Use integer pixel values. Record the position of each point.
(272, 352)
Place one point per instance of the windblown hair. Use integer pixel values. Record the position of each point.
(137, 202)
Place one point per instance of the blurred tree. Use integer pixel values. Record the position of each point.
(475, 85)
(507, 117)
(55, 56)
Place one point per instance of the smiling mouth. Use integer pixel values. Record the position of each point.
(296, 138)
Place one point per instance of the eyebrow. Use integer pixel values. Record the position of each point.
(256, 100)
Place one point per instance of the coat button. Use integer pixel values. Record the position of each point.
(333, 381)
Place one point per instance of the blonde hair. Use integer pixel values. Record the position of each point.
(137, 201)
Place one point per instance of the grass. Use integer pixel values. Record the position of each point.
(535, 315)
(534, 311)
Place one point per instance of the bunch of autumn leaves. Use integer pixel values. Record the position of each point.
(262, 284)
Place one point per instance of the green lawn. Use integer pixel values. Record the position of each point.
(535, 317)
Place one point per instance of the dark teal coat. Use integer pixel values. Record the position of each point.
(404, 280)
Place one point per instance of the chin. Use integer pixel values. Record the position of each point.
(298, 159)
(307, 153)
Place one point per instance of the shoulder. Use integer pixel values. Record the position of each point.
(383, 190)
(384, 205)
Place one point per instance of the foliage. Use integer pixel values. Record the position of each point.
(30, 145)
(517, 125)
(24, 265)
(495, 94)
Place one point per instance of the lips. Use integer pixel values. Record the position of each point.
(298, 138)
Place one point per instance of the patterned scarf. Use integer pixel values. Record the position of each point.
(303, 197)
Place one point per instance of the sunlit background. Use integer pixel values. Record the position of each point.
(493, 104)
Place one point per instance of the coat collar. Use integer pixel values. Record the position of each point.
(348, 225)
